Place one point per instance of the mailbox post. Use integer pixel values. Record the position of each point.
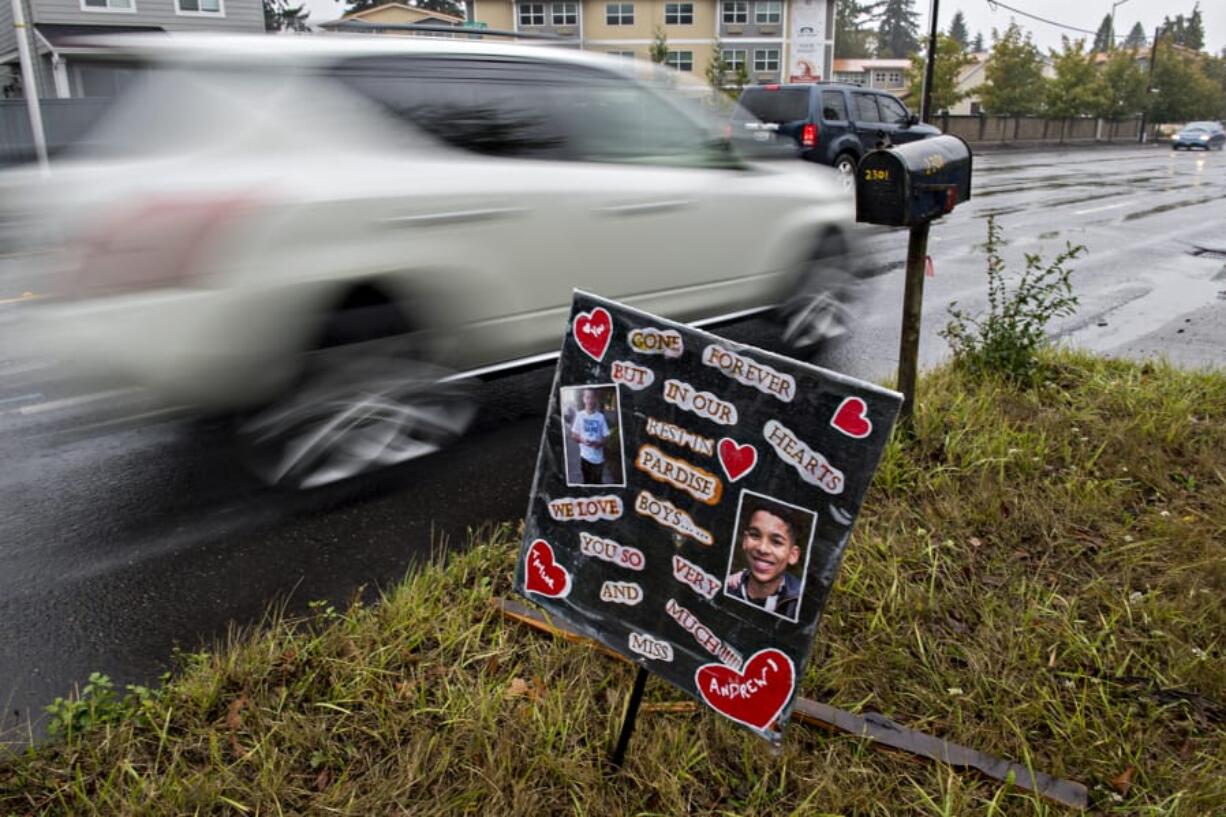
(911, 185)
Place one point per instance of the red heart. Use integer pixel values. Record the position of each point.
(754, 697)
(593, 331)
(542, 574)
(851, 417)
(737, 459)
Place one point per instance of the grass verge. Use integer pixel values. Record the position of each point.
(1039, 574)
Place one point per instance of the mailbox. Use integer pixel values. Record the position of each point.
(912, 184)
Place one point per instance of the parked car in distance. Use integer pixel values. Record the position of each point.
(323, 235)
(1205, 135)
(829, 123)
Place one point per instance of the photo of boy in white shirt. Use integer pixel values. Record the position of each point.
(588, 433)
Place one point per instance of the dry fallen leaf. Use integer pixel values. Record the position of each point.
(323, 779)
(518, 688)
(405, 689)
(1123, 782)
(975, 542)
(234, 717)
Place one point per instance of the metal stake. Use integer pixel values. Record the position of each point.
(632, 713)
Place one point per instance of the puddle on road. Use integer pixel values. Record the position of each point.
(1047, 235)
(1175, 205)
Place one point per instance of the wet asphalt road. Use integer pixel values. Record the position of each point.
(125, 531)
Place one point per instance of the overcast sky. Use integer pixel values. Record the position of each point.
(981, 17)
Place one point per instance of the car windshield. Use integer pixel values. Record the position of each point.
(1196, 127)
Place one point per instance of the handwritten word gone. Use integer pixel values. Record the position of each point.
(652, 341)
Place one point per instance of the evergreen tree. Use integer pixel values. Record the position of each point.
(851, 38)
(1136, 38)
(977, 46)
(1123, 86)
(279, 15)
(957, 30)
(1174, 30)
(1014, 79)
(1077, 89)
(658, 51)
(1104, 40)
(950, 61)
(898, 29)
(1194, 34)
(717, 72)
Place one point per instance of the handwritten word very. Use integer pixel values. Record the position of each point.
(751, 373)
(679, 436)
(689, 573)
(585, 508)
(812, 466)
(636, 377)
(649, 647)
(610, 551)
(627, 593)
(703, 635)
(652, 341)
(697, 482)
(669, 515)
(702, 403)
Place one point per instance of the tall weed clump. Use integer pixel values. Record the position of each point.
(1006, 340)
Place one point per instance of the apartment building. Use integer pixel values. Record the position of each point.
(776, 40)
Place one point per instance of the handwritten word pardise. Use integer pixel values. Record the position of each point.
(669, 515)
(679, 436)
(586, 508)
(812, 466)
(697, 482)
(610, 551)
(632, 375)
(750, 372)
(689, 573)
(649, 647)
(652, 341)
(708, 640)
(702, 403)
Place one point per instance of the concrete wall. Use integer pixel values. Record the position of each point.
(1033, 130)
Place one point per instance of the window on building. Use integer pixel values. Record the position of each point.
(681, 60)
(619, 14)
(887, 79)
(627, 54)
(108, 5)
(532, 14)
(565, 14)
(866, 108)
(766, 12)
(766, 59)
(850, 77)
(734, 58)
(199, 6)
(678, 14)
(975, 109)
(736, 11)
(834, 107)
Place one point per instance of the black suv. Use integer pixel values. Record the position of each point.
(831, 123)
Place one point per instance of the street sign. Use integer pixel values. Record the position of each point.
(692, 501)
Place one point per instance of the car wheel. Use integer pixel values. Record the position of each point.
(817, 306)
(366, 400)
(845, 163)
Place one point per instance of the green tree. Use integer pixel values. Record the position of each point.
(1183, 89)
(1123, 86)
(279, 15)
(851, 37)
(659, 47)
(1194, 34)
(957, 30)
(717, 71)
(1014, 82)
(1077, 89)
(1136, 37)
(950, 61)
(978, 46)
(898, 29)
(1104, 40)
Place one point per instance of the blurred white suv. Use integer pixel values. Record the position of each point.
(322, 232)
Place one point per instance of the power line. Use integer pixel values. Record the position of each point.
(994, 4)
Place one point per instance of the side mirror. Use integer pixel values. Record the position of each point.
(912, 119)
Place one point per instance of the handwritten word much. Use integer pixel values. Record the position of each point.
(689, 573)
(812, 466)
(652, 341)
(702, 403)
(703, 635)
(634, 376)
(697, 482)
(649, 647)
(669, 515)
(751, 373)
(610, 551)
(586, 508)
(680, 436)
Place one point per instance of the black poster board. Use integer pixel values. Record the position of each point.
(692, 501)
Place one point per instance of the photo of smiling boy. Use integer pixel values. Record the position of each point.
(767, 561)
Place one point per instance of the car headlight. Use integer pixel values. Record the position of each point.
(1204, 137)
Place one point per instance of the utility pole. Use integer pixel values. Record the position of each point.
(29, 86)
(1149, 83)
(926, 99)
(1111, 42)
